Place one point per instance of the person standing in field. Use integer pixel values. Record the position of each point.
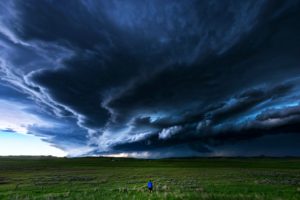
(150, 186)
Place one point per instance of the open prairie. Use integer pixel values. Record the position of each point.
(118, 178)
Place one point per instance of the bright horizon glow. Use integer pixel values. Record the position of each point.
(14, 144)
(16, 141)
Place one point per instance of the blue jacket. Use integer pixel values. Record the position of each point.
(150, 185)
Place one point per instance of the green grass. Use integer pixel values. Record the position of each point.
(106, 178)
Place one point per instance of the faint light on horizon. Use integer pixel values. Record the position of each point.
(117, 155)
(144, 154)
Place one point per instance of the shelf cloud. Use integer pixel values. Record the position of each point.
(154, 78)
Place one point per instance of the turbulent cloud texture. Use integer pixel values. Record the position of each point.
(155, 78)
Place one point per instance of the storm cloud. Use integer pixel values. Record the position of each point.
(155, 78)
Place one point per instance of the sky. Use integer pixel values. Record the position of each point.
(150, 78)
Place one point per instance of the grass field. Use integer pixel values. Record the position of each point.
(107, 178)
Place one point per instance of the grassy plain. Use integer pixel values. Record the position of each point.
(116, 178)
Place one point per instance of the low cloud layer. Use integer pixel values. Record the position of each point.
(154, 78)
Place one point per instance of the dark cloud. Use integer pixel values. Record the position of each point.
(7, 130)
(153, 76)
